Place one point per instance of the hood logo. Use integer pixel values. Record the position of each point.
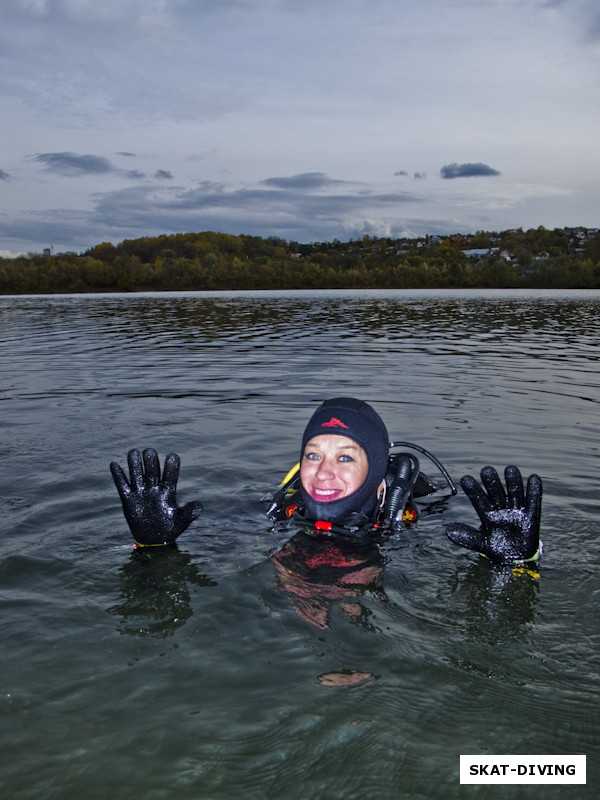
(334, 422)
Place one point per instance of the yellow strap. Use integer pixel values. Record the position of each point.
(291, 474)
(160, 544)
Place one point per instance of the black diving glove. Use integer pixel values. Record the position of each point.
(510, 521)
(148, 499)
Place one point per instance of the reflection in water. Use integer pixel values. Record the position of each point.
(155, 592)
(345, 678)
(319, 575)
(492, 610)
(494, 602)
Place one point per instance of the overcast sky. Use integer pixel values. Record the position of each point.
(305, 119)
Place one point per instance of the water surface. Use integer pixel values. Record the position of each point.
(199, 674)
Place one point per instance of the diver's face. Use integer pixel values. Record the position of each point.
(332, 467)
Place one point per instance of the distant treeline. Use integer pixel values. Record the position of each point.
(539, 258)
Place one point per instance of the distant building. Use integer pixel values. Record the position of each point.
(481, 252)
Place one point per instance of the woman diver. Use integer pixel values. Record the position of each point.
(348, 485)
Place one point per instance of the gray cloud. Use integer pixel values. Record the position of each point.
(150, 209)
(72, 164)
(451, 171)
(583, 13)
(118, 18)
(304, 181)
(281, 76)
(261, 210)
(68, 229)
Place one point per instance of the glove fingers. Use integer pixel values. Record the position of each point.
(121, 482)
(514, 487)
(476, 495)
(151, 468)
(495, 490)
(465, 536)
(136, 472)
(171, 471)
(533, 501)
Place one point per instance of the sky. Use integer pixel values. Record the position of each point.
(309, 120)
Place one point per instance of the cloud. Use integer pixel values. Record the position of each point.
(280, 104)
(451, 171)
(149, 208)
(416, 175)
(304, 181)
(67, 228)
(10, 254)
(293, 213)
(72, 164)
(583, 13)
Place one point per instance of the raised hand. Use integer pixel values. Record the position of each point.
(149, 500)
(510, 520)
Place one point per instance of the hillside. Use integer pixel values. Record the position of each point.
(540, 258)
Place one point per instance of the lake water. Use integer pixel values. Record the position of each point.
(208, 672)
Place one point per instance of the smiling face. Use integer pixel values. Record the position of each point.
(332, 467)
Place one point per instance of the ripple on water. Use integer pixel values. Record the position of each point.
(196, 674)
